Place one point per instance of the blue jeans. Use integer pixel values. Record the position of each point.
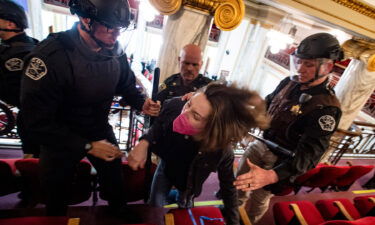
(161, 187)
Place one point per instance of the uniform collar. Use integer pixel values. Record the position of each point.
(22, 37)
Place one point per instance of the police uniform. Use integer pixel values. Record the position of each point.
(68, 90)
(12, 52)
(173, 86)
(301, 121)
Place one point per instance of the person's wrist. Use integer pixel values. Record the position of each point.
(88, 146)
(273, 176)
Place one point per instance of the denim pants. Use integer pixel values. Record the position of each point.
(161, 187)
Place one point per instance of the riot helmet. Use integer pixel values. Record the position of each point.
(111, 13)
(15, 13)
(315, 50)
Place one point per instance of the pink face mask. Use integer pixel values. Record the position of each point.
(181, 125)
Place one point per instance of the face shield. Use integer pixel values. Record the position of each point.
(305, 71)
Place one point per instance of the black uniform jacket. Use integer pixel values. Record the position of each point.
(67, 91)
(304, 128)
(186, 165)
(173, 86)
(12, 52)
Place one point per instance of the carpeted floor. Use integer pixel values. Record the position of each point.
(10, 204)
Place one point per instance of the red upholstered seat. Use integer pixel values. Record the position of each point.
(8, 178)
(325, 176)
(136, 186)
(182, 217)
(40, 220)
(331, 211)
(30, 172)
(284, 214)
(301, 179)
(362, 221)
(365, 206)
(355, 172)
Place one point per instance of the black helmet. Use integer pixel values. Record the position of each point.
(11, 11)
(112, 13)
(320, 45)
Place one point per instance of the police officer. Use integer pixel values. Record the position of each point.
(67, 89)
(304, 114)
(15, 44)
(189, 79)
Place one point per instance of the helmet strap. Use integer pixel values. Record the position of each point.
(90, 31)
(317, 76)
(11, 30)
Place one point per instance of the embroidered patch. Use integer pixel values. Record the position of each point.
(162, 86)
(14, 64)
(36, 69)
(327, 123)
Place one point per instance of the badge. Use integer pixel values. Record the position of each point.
(327, 123)
(14, 64)
(36, 69)
(162, 86)
(296, 110)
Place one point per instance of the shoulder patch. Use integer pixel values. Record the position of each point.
(14, 64)
(162, 86)
(36, 69)
(327, 123)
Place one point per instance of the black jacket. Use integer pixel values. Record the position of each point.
(67, 92)
(173, 86)
(304, 128)
(187, 166)
(12, 52)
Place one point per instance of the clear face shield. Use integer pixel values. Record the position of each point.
(305, 71)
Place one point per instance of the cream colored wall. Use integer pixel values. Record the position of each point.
(338, 14)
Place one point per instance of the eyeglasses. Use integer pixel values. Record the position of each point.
(111, 29)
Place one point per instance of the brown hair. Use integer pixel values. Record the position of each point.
(234, 112)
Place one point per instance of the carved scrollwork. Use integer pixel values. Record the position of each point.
(227, 13)
(361, 49)
(167, 7)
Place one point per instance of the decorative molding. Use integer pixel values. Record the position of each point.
(227, 13)
(334, 16)
(358, 6)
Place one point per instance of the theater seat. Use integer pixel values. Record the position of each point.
(41, 220)
(365, 205)
(355, 172)
(300, 180)
(296, 212)
(135, 183)
(209, 216)
(362, 221)
(29, 169)
(337, 209)
(9, 182)
(324, 177)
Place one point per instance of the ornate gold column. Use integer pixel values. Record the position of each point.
(189, 21)
(357, 83)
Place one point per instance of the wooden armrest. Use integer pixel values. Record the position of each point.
(244, 217)
(298, 214)
(169, 219)
(343, 210)
(372, 199)
(73, 221)
(349, 163)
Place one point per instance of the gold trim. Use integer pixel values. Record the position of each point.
(334, 16)
(73, 221)
(358, 7)
(167, 7)
(371, 68)
(227, 13)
